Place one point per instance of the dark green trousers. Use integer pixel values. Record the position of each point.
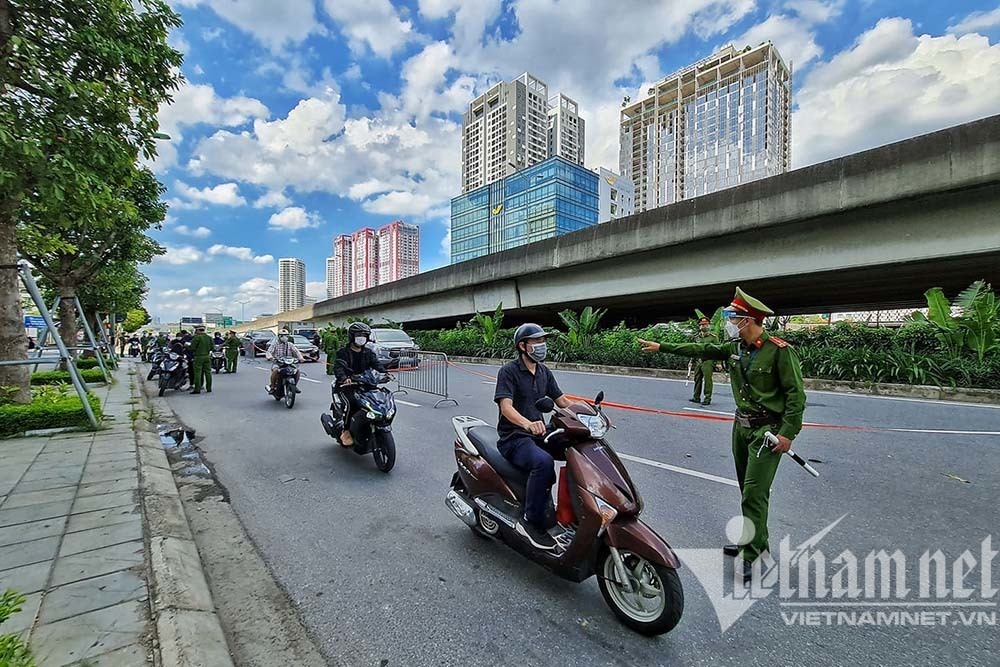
(330, 358)
(202, 372)
(232, 356)
(755, 475)
(703, 374)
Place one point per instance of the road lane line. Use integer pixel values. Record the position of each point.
(711, 412)
(416, 405)
(939, 431)
(678, 469)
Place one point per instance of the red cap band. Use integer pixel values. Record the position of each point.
(743, 306)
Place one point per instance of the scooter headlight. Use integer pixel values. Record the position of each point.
(596, 423)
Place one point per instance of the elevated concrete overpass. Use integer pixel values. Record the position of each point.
(869, 230)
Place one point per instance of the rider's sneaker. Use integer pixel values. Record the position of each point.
(539, 538)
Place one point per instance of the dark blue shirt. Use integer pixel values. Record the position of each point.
(523, 388)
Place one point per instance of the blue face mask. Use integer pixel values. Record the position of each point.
(538, 351)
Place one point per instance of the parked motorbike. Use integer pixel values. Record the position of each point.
(371, 423)
(596, 525)
(287, 384)
(218, 358)
(134, 349)
(173, 372)
(155, 361)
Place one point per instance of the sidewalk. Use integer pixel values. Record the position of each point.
(90, 527)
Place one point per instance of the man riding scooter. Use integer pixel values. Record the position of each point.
(520, 383)
(353, 359)
(280, 348)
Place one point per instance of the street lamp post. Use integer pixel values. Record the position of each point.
(243, 309)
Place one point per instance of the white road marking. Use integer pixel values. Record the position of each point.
(261, 368)
(488, 382)
(711, 412)
(939, 431)
(416, 405)
(311, 380)
(683, 471)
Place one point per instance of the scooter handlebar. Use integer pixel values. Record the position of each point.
(555, 432)
(772, 439)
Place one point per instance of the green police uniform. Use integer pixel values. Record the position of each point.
(232, 348)
(161, 342)
(201, 347)
(703, 371)
(767, 386)
(330, 347)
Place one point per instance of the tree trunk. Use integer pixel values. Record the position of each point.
(13, 341)
(67, 317)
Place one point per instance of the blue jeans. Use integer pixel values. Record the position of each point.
(524, 452)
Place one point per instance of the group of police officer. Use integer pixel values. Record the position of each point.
(197, 350)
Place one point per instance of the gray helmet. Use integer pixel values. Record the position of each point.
(359, 329)
(528, 330)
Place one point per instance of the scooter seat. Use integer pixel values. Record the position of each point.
(485, 439)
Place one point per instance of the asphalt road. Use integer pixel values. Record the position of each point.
(384, 574)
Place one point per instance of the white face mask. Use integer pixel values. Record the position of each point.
(538, 351)
(283, 338)
(732, 330)
(360, 341)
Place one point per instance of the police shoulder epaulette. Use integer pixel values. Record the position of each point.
(777, 341)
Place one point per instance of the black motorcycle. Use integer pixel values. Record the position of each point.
(173, 372)
(287, 383)
(371, 423)
(218, 358)
(134, 349)
(156, 361)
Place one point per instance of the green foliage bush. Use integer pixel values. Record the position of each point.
(60, 377)
(14, 651)
(52, 406)
(87, 362)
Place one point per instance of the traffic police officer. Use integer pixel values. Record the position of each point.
(703, 370)
(330, 347)
(201, 347)
(767, 386)
(232, 347)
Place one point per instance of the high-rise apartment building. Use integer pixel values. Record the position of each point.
(615, 196)
(364, 248)
(291, 284)
(723, 121)
(343, 267)
(552, 197)
(566, 129)
(507, 128)
(331, 277)
(398, 251)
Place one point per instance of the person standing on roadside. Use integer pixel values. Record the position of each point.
(232, 348)
(704, 367)
(200, 349)
(767, 386)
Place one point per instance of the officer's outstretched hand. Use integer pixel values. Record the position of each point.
(649, 345)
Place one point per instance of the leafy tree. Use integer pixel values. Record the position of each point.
(974, 328)
(136, 318)
(80, 85)
(71, 256)
(489, 326)
(580, 329)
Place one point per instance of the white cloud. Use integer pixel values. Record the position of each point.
(370, 23)
(316, 289)
(223, 194)
(352, 73)
(272, 199)
(399, 203)
(275, 24)
(293, 218)
(977, 21)
(198, 233)
(206, 291)
(179, 255)
(891, 85)
(241, 253)
(816, 11)
(791, 35)
(175, 292)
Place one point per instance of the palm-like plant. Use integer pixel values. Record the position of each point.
(580, 329)
(489, 326)
(975, 328)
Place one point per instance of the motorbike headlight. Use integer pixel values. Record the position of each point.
(596, 423)
(608, 513)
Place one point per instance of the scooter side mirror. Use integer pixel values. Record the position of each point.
(545, 404)
(599, 399)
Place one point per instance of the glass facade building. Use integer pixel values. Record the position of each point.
(720, 122)
(550, 198)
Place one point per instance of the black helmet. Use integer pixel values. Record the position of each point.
(528, 330)
(359, 329)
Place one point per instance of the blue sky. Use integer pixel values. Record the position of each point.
(303, 119)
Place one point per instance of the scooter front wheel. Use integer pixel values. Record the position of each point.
(289, 395)
(652, 601)
(384, 451)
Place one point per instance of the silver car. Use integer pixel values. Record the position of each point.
(392, 345)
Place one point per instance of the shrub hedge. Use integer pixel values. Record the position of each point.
(845, 351)
(60, 377)
(56, 408)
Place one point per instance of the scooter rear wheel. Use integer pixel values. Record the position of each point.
(657, 603)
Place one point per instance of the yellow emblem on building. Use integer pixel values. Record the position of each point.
(610, 179)
(497, 210)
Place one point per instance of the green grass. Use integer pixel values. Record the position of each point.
(60, 377)
(52, 407)
(14, 652)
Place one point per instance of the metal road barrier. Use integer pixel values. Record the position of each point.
(426, 372)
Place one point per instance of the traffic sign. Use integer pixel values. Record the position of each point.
(34, 322)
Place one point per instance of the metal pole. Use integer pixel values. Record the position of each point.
(93, 340)
(45, 335)
(74, 374)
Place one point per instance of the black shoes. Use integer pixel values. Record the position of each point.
(747, 570)
(693, 400)
(539, 538)
(707, 401)
(195, 391)
(731, 550)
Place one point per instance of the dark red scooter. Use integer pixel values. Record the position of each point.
(596, 526)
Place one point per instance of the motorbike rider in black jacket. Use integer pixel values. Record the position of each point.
(353, 359)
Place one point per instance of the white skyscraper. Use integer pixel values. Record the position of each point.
(508, 128)
(331, 277)
(723, 121)
(615, 196)
(291, 284)
(566, 129)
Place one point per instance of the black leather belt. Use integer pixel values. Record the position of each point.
(756, 420)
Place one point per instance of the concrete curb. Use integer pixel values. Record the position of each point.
(187, 627)
(961, 394)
